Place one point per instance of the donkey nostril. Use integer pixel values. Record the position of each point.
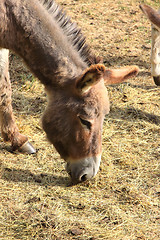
(83, 178)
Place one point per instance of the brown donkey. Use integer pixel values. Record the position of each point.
(55, 51)
(154, 18)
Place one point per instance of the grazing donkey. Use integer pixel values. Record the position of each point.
(154, 18)
(55, 51)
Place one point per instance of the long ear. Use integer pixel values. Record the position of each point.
(152, 14)
(90, 77)
(115, 76)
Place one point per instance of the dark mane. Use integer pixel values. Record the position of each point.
(71, 31)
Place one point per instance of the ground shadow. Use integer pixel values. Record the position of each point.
(144, 87)
(27, 105)
(125, 60)
(21, 175)
(134, 114)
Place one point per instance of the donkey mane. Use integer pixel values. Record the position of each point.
(71, 31)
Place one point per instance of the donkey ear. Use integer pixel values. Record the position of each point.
(90, 77)
(115, 76)
(152, 14)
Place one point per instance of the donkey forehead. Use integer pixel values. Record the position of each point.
(94, 103)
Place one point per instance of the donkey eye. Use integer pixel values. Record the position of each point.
(85, 123)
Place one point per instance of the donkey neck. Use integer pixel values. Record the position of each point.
(33, 34)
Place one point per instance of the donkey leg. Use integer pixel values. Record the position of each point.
(9, 128)
(155, 56)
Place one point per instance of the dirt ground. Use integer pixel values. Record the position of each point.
(122, 202)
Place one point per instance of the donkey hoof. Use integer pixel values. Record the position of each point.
(27, 148)
(157, 80)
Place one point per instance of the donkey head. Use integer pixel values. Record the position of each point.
(154, 18)
(74, 117)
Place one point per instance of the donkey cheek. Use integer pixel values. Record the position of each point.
(61, 149)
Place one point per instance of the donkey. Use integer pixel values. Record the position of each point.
(56, 52)
(154, 18)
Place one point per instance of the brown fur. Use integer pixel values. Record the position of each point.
(56, 52)
(152, 14)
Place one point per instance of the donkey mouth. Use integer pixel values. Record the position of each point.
(84, 169)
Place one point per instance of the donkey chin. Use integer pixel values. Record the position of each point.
(83, 169)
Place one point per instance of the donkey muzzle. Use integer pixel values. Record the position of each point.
(83, 169)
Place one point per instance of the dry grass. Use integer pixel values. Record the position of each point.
(122, 202)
